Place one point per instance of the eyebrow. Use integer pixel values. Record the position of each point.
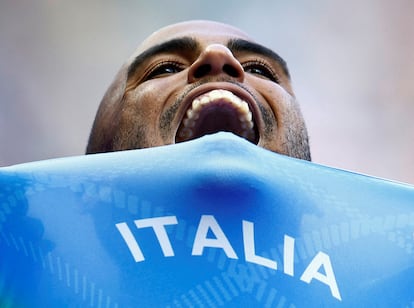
(184, 44)
(240, 45)
(187, 44)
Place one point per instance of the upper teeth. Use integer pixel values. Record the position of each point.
(245, 115)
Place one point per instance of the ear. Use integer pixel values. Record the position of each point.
(101, 138)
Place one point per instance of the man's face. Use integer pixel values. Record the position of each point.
(196, 78)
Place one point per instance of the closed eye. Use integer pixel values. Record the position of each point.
(261, 70)
(164, 69)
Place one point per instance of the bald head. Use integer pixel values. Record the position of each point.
(196, 78)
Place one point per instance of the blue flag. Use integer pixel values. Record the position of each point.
(216, 221)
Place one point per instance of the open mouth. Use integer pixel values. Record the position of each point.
(216, 111)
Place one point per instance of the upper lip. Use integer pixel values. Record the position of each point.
(204, 88)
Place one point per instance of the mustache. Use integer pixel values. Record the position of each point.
(169, 114)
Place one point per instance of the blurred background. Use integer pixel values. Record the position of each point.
(352, 64)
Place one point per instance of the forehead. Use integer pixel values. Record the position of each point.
(204, 32)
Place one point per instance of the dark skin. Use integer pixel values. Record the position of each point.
(149, 99)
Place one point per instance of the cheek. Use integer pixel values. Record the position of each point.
(277, 99)
(145, 106)
(156, 95)
(145, 102)
(138, 119)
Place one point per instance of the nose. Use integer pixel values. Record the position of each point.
(214, 60)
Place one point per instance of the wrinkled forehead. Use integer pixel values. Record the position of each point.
(204, 32)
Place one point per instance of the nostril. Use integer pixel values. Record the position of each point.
(231, 70)
(202, 70)
(206, 69)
